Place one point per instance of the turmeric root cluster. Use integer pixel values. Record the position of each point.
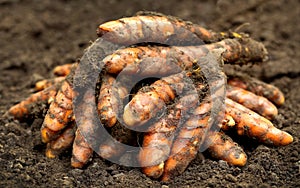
(173, 107)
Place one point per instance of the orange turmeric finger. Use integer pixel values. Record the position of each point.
(106, 100)
(255, 126)
(156, 147)
(187, 142)
(221, 146)
(151, 99)
(109, 100)
(86, 113)
(24, 108)
(159, 28)
(158, 140)
(151, 60)
(170, 60)
(254, 102)
(81, 152)
(43, 84)
(64, 70)
(258, 87)
(64, 141)
(241, 50)
(60, 112)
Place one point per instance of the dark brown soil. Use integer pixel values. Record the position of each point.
(37, 35)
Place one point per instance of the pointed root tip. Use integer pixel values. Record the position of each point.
(154, 171)
(50, 154)
(76, 163)
(130, 118)
(288, 139)
(241, 160)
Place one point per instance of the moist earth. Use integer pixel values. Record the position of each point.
(35, 36)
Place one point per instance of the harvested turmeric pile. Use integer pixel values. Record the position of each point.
(161, 80)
